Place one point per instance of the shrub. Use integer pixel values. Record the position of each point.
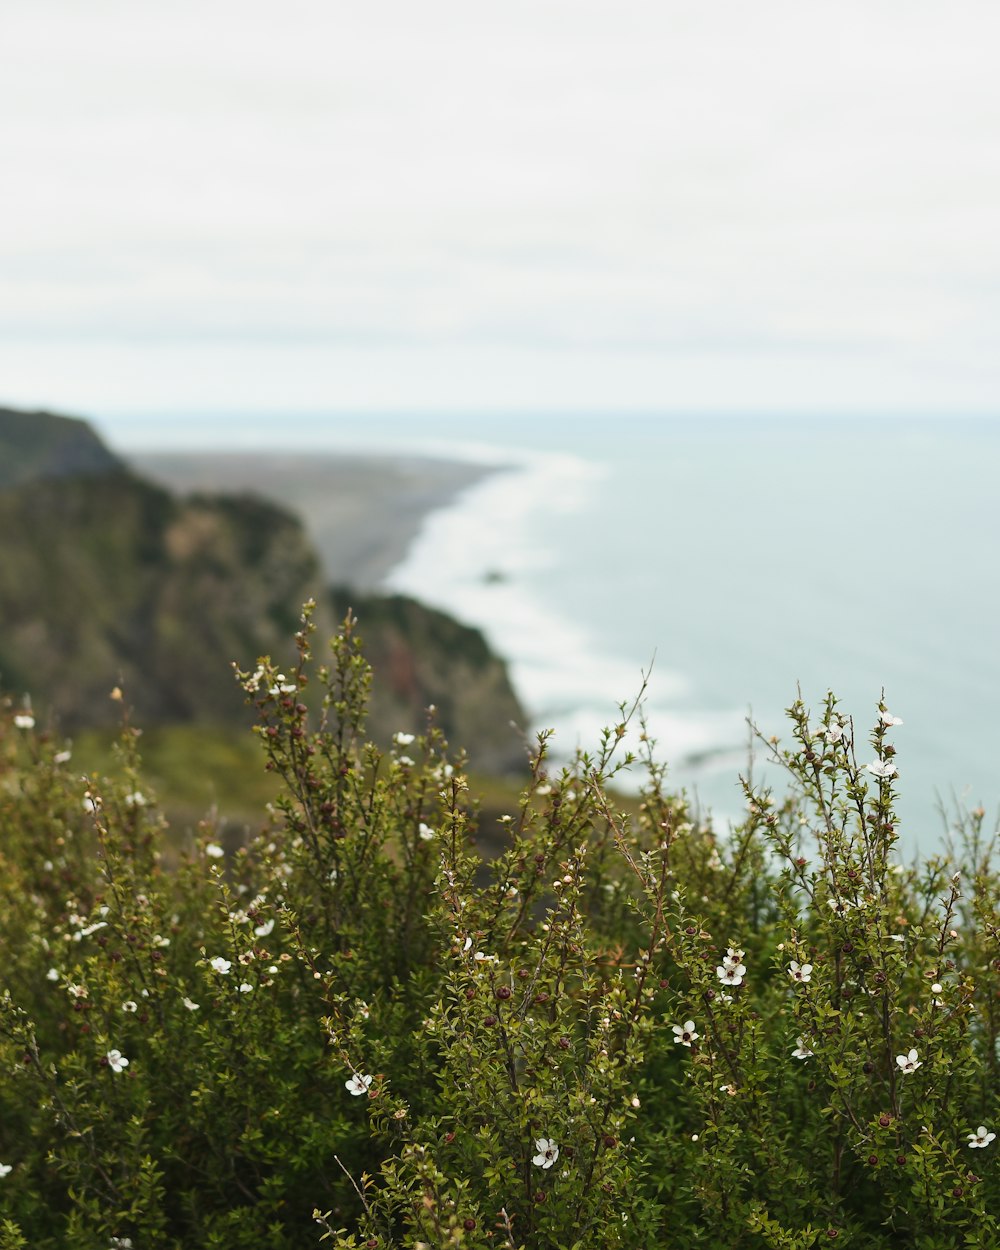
(626, 1029)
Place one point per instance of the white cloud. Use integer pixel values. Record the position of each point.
(665, 205)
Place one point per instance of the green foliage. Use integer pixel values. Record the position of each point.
(38, 445)
(625, 1029)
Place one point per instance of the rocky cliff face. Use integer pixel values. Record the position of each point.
(108, 580)
(421, 657)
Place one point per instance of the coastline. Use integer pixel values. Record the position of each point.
(362, 512)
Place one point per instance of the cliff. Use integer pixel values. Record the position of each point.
(106, 580)
(421, 657)
(109, 580)
(37, 445)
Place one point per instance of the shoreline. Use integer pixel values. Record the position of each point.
(361, 511)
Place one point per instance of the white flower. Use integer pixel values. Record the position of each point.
(189, 1004)
(121, 1243)
(980, 1139)
(908, 1063)
(684, 1033)
(732, 957)
(840, 905)
(402, 740)
(220, 965)
(483, 958)
(731, 974)
(801, 1050)
(135, 799)
(405, 761)
(117, 1061)
(547, 1154)
(265, 929)
(887, 718)
(130, 1006)
(800, 972)
(91, 928)
(214, 851)
(358, 1084)
(62, 757)
(24, 720)
(77, 991)
(52, 974)
(426, 832)
(834, 733)
(246, 988)
(6, 1169)
(883, 769)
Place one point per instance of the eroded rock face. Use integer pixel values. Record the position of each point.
(421, 657)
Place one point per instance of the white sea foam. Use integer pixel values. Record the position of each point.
(485, 559)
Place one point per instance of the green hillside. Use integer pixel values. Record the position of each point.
(41, 445)
(108, 580)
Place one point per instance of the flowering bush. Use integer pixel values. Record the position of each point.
(624, 1029)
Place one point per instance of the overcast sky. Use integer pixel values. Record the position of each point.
(765, 206)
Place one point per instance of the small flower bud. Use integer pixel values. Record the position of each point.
(885, 1120)
(504, 992)
(900, 1159)
(873, 1160)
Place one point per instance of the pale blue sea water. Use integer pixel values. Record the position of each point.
(750, 557)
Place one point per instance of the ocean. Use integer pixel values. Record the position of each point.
(735, 562)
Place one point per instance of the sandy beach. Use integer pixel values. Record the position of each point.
(360, 511)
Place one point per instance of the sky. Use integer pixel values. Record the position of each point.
(540, 206)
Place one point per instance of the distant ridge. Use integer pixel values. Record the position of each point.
(37, 445)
